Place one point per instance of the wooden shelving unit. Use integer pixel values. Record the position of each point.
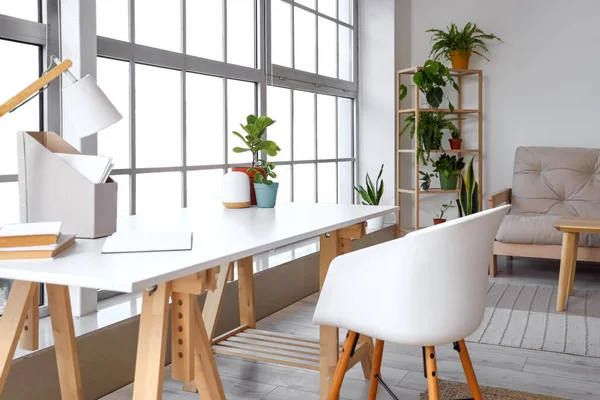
(414, 188)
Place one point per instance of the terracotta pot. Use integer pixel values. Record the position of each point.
(251, 177)
(460, 59)
(437, 221)
(455, 143)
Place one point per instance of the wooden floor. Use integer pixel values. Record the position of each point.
(566, 376)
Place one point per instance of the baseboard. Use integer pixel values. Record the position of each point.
(107, 356)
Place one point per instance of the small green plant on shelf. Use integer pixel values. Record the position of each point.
(457, 45)
(426, 178)
(448, 169)
(255, 129)
(371, 196)
(431, 80)
(439, 218)
(268, 170)
(468, 197)
(430, 132)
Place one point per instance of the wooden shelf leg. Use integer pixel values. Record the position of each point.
(152, 343)
(30, 335)
(65, 343)
(246, 292)
(465, 359)
(11, 323)
(379, 344)
(210, 312)
(182, 342)
(432, 378)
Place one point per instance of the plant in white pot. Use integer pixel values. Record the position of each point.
(266, 189)
(371, 196)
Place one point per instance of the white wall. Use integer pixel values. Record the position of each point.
(539, 88)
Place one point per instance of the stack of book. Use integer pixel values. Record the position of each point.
(33, 240)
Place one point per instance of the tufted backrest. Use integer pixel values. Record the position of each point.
(556, 181)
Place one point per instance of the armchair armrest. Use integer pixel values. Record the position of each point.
(500, 197)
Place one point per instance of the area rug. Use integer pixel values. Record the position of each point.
(525, 316)
(457, 390)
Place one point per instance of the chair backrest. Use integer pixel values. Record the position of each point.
(426, 288)
(556, 181)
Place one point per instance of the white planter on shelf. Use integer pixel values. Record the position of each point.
(375, 224)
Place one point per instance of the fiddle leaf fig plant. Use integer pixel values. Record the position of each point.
(268, 170)
(255, 129)
(371, 196)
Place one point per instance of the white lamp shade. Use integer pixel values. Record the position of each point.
(87, 109)
(235, 190)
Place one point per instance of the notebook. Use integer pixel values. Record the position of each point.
(142, 242)
(32, 252)
(31, 234)
(95, 168)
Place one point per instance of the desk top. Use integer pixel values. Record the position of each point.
(578, 225)
(220, 236)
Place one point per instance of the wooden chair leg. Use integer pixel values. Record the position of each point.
(493, 266)
(342, 366)
(432, 379)
(376, 370)
(463, 353)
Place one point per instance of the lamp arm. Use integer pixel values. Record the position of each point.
(35, 87)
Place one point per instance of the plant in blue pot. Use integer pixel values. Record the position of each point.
(266, 189)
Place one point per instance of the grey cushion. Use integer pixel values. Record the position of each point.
(549, 182)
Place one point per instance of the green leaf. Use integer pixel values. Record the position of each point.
(363, 193)
(379, 194)
(263, 122)
(371, 189)
(418, 78)
(240, 150)
(269, 147)
(435, 97)
(251, 119)
(403, 92)
(251, 129)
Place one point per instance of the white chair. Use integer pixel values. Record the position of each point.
(425, 289)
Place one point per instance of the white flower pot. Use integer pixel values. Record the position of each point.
(375, 224)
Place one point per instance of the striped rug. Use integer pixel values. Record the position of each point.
(525, 316)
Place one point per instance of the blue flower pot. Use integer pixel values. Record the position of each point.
(266, 195)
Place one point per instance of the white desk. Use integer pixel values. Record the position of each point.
(221, 237)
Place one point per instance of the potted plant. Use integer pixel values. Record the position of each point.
(426, 178)
(431, 79)
(430, 132)
(455, 140)
(448, 169)
(255, 129)
(372, 196)
(266, 189)
(458, 45)
(468, 197)
(439, 218)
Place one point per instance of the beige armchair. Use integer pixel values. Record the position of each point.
(548, 182)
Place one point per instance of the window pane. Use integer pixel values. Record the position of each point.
(17, 76)
(345, 54)
(279, 108)
(304, 127)
(345, 190)
(327, 48)
(9, 203)
(205, 124)
(25, 9)
(124, 194)
(197, 184)
(327, 7)
(240, 32)
(345, 122)
(205, 28)
(327, 183)
(304, 183)
(112, 19)
(113, 78)
(284, 192)
(326, 135)
(158, 117)
(158, 192)
(308, 3)
(305, 26)
(240, 103)
(281, 33)
(158, 24)
(345, 11)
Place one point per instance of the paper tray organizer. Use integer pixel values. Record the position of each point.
(52, 190)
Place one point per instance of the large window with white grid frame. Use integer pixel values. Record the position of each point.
(24, 44)
(184, 75)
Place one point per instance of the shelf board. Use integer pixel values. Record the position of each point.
(442, 151)
(439, 110)
(453, 72)
(430, 191)
(406, 150)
